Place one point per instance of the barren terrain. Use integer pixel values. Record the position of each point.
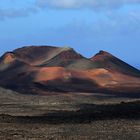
(69, 116)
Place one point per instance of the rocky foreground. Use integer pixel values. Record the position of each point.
(116, 129)
(68, 117)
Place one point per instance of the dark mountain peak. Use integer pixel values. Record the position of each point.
(34, 48)
(102, 55)
(69, 53)
(32, 53)
(39, 49)
(101, 52)
(108, 61)
(39, 55)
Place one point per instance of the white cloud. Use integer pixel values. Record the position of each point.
(32, 6)
(93, 4)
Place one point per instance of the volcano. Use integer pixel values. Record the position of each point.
(108, 61)
(47, 70)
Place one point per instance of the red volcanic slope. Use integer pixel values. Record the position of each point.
(108, 61)
(45, 69)
(40, 55)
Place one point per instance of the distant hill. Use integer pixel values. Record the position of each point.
(46, 70)
(108, 61)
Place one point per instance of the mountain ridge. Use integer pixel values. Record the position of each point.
(46, 69)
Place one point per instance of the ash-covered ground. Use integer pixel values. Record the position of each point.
(69, 116)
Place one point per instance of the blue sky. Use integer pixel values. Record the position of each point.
(86, 25)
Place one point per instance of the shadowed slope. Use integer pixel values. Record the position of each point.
(108, 61)
(46, 56)
(35, 55)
